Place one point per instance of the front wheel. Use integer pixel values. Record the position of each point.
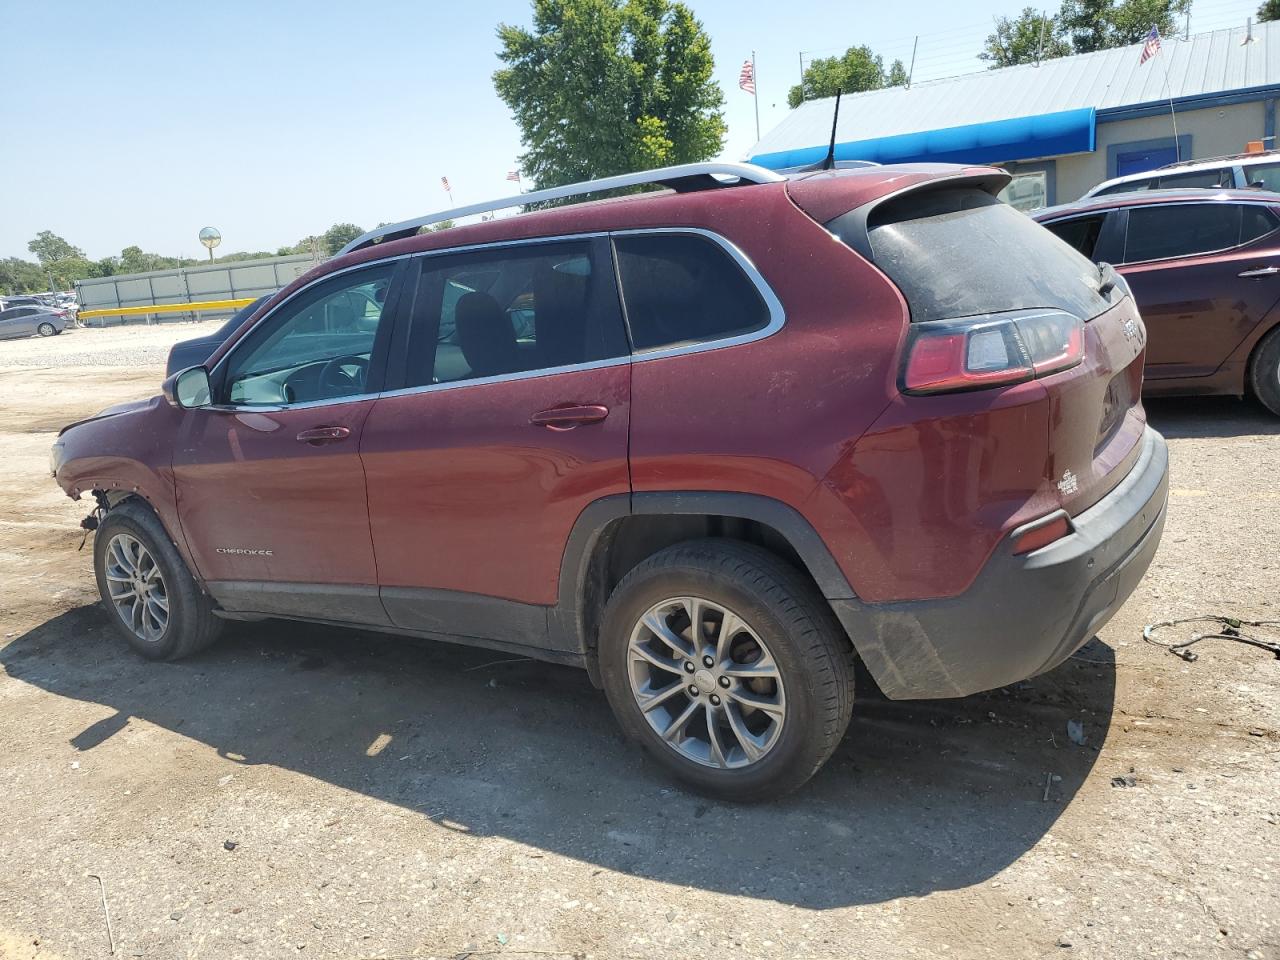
(46, 329)
(728, 667)
(146, 588)
(1264, 372)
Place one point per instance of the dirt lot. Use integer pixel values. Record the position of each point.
(300, 792)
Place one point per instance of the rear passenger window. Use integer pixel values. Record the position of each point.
(512, 310)
(682, 288)
(1182, 230)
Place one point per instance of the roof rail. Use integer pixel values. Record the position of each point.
(683, 178)
(1229, 156)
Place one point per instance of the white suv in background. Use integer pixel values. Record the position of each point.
(1257, 170)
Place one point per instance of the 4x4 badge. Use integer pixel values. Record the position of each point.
(1069, 483)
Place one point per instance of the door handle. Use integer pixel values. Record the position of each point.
(566, 418)
(1258, 272)
(320, 435)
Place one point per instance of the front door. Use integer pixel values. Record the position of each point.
(510, 418)
(1204, 275)
(271, 492)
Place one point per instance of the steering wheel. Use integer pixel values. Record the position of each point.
(335, 380)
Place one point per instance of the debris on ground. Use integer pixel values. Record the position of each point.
(1230, 631)
(1075, 730)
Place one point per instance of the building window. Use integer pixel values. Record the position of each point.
(1027, 191)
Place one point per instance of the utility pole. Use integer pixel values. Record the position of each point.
(802, 76)
(1040, 45)
(912, 72)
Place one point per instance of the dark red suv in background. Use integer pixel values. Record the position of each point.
(1204, 266)
(709, 443)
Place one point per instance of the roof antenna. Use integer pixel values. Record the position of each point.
(830, 160)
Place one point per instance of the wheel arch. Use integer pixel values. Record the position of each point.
(614, 534)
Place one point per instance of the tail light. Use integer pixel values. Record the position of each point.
(991, 350)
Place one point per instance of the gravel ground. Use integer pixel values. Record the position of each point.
(134, 345)
(298, 791)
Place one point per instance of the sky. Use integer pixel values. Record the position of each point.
(141, 122)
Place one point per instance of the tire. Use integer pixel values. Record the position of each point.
(1264, 371)
(787, 630)
(189, 625)
(46, 329)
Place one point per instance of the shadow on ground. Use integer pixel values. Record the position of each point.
(920, 797)
(1178, 417)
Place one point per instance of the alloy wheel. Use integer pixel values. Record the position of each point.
(136, 587)
(706, 682)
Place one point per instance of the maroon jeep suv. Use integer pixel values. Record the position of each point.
(710, 443)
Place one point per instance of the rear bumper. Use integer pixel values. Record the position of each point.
(1026, 614)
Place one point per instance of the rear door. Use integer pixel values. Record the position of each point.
(1204, 275)
(510, 417)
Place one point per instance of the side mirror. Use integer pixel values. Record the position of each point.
(188, 389)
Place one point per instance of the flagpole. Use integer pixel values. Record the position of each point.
(755, 79)
(1173, 116)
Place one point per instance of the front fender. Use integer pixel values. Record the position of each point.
(125, 450)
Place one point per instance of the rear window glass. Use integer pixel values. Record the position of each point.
(960, 252)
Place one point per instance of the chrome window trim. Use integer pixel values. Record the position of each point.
(508, 377)
(777, 318)
(1130, 207)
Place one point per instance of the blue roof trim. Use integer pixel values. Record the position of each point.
(1022, 138)
(1202, 101)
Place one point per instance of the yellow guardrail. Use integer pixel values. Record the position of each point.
(167, 308)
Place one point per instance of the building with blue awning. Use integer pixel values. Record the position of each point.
(1061, 126)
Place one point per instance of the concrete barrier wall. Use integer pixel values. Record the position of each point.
(217, 281)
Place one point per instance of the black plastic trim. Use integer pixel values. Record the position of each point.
(471, 615)
(354, 604)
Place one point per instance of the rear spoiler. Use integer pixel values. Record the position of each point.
(853, 227)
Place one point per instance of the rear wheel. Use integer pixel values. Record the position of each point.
(149, 594)
(728, 667)
(46, 329)
(1264, 371)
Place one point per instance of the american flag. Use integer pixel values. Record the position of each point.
(1151, 47)
(747, 77)
(514, 176)
(444, 182)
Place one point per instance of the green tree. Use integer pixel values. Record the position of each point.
(857, 69)
(21, 276)
(339, 235)
(50, 248)
(1270, 10)
(1030, 37)
(602, 87)
(1102, 24)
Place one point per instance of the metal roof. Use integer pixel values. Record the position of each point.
(1209, 63)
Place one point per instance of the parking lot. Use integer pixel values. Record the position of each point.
(300, 791)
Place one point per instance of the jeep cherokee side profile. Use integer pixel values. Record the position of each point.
(710, 444)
